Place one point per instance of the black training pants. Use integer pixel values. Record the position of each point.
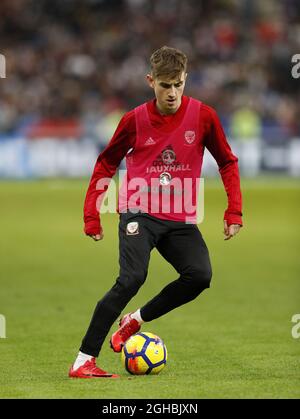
(180, 244)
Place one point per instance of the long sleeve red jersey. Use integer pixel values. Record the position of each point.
(125, 139)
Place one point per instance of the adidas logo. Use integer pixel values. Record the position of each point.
(150, 141)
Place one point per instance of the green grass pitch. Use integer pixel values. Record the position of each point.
(234, 341)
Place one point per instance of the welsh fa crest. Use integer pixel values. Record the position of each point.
(132, 228)
(189, 137)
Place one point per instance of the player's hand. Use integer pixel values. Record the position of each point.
(230, 231)
(96, 237)
(91, 229)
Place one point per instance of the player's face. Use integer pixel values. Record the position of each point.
(168, 92)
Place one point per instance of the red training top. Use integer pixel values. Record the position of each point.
(164, 157)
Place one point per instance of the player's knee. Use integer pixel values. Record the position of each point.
(131, 283)
(200, 277)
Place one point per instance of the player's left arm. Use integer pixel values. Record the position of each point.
(218, 146)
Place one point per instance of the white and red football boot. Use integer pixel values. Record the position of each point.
(128, 327)
(90, 370)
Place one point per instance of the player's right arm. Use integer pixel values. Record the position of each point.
(105, 168)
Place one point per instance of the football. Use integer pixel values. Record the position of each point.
(144, 353)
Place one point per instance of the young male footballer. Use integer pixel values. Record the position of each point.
(163, 141)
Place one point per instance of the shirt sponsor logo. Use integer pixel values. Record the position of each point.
(132, 228)
(166, 162)
(168, 156)
(173, 168)
(189, 137)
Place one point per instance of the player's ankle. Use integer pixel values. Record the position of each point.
(137, 316)
(81, 360)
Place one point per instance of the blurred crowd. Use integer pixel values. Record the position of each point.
(83, 62)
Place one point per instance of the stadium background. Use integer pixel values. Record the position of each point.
(72, 69)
